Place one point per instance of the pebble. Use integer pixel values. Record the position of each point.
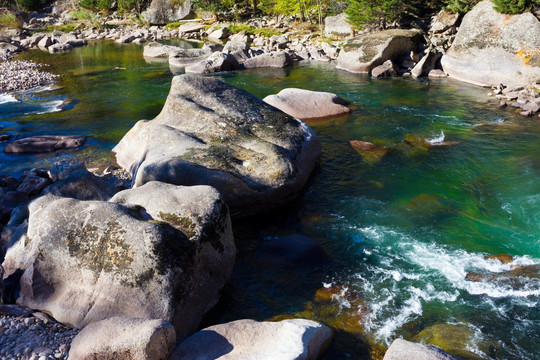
(16, 75)
(29, 337)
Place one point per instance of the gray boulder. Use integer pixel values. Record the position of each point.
(162, 12)
(238, 49)
(276, 59)
(296, 339)
(215, 134)
(157, 50)
(363, 53)
(337, 26)
(44, 143)
(219, 34)
(189, 28)
(307, 105)
(386, 69)
(156, 252)
(407, 350)
(119, 338)
(426, 64)
(216, 62)
(82, 185)
(181, 58)
(492, 48)
(444, 21)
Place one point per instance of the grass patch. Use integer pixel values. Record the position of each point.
(66, 28)
(174, 25)
(9, 20)
(266, 32)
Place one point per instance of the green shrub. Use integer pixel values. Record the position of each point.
(515, 6)
(461, 6)
(96, 4)
(10, 21)
(31, 5)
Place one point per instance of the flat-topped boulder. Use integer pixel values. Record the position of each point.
(492, 48)
(276, 59)
(44, 143)
(308, 105)
(215, 134)
(363, 53)
(295, 339)
(155, 252)
(157, 50)
(181, 58)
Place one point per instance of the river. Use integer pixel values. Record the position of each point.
(408, 234)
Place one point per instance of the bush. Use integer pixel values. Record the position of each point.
(460, 6)
(96, 4)
(515, 6)
(31, 5)
(10, 21)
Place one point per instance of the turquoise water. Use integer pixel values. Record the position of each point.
(402, 232)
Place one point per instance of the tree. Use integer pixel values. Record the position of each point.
(515, 6)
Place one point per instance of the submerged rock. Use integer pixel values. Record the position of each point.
(215, 134)
(44, 143)
(124, 338)
(292, 250)
(296, 339)
(308, 105)
(492, 48)
(407, 350)
(363, 53)
(457, 339)
(156, 252)
(370, 152)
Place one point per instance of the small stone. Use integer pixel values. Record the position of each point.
(503, 104)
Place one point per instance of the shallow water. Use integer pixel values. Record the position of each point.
(402, 232)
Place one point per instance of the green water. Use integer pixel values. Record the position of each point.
(402, 233)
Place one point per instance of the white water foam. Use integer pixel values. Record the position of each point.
(7, 98)
(436, 140)
(47, 107)
(404, 274)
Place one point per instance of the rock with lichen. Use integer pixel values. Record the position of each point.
(211, 133)
(492, 48)
(156, 252)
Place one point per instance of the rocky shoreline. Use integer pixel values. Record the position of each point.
(117, 258)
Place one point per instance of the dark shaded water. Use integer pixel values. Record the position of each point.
(402, 232)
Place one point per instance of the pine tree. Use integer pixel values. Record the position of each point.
(515, 6)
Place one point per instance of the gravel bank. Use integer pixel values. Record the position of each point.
(16, 75)
(27, 335)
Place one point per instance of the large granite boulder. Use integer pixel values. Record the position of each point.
(276, 59)
(182, 58)
(215, 134)
(337, 26)
(162, 12)
(155, 252)
(492, 48)
(363, 53)
(296, 339)
(308, 105)
(406, 350)
(217, 62)
(119, 338)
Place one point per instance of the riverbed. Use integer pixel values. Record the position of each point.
(407, 234)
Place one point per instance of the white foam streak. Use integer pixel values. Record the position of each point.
(437, 140)
(7, 98)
